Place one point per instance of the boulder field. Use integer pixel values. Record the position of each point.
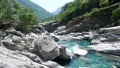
(19, 50)
(38, 50)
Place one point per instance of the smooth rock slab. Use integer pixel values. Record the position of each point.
(111, 48)
(13, 59)
(110, 29)
(78, 51)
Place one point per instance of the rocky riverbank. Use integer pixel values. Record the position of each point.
(38, 49)
(107, 40)
(19, 50)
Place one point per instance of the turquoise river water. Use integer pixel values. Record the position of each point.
(92, 59)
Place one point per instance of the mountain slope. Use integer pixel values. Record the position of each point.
(100, 18)
(57, 11)
(16, 16)
(40, 12)
(80, 7)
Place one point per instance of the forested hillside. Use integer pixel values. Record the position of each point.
(80, 7)
(39, 11)
(14, 15)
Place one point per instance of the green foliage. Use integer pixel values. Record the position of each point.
(104, 3)
(18, 16)
(76, 8)
(116, 15)
(93, 12)
(40, 12)
(113, 1)
(81, 7)
(97, 26)
(27, 19)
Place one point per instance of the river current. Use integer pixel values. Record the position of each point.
(92, 59)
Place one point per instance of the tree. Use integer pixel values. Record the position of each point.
(116, 16)
(16, 15)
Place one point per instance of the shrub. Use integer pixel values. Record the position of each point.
(116, 15)
(27, 19)
(104, 3)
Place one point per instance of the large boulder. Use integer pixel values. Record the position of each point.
(51, 26)
(38, 29)
(46, 47)
(64, 55)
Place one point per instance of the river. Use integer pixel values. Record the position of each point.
(92, 59)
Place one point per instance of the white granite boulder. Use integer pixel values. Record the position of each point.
(46, 47)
